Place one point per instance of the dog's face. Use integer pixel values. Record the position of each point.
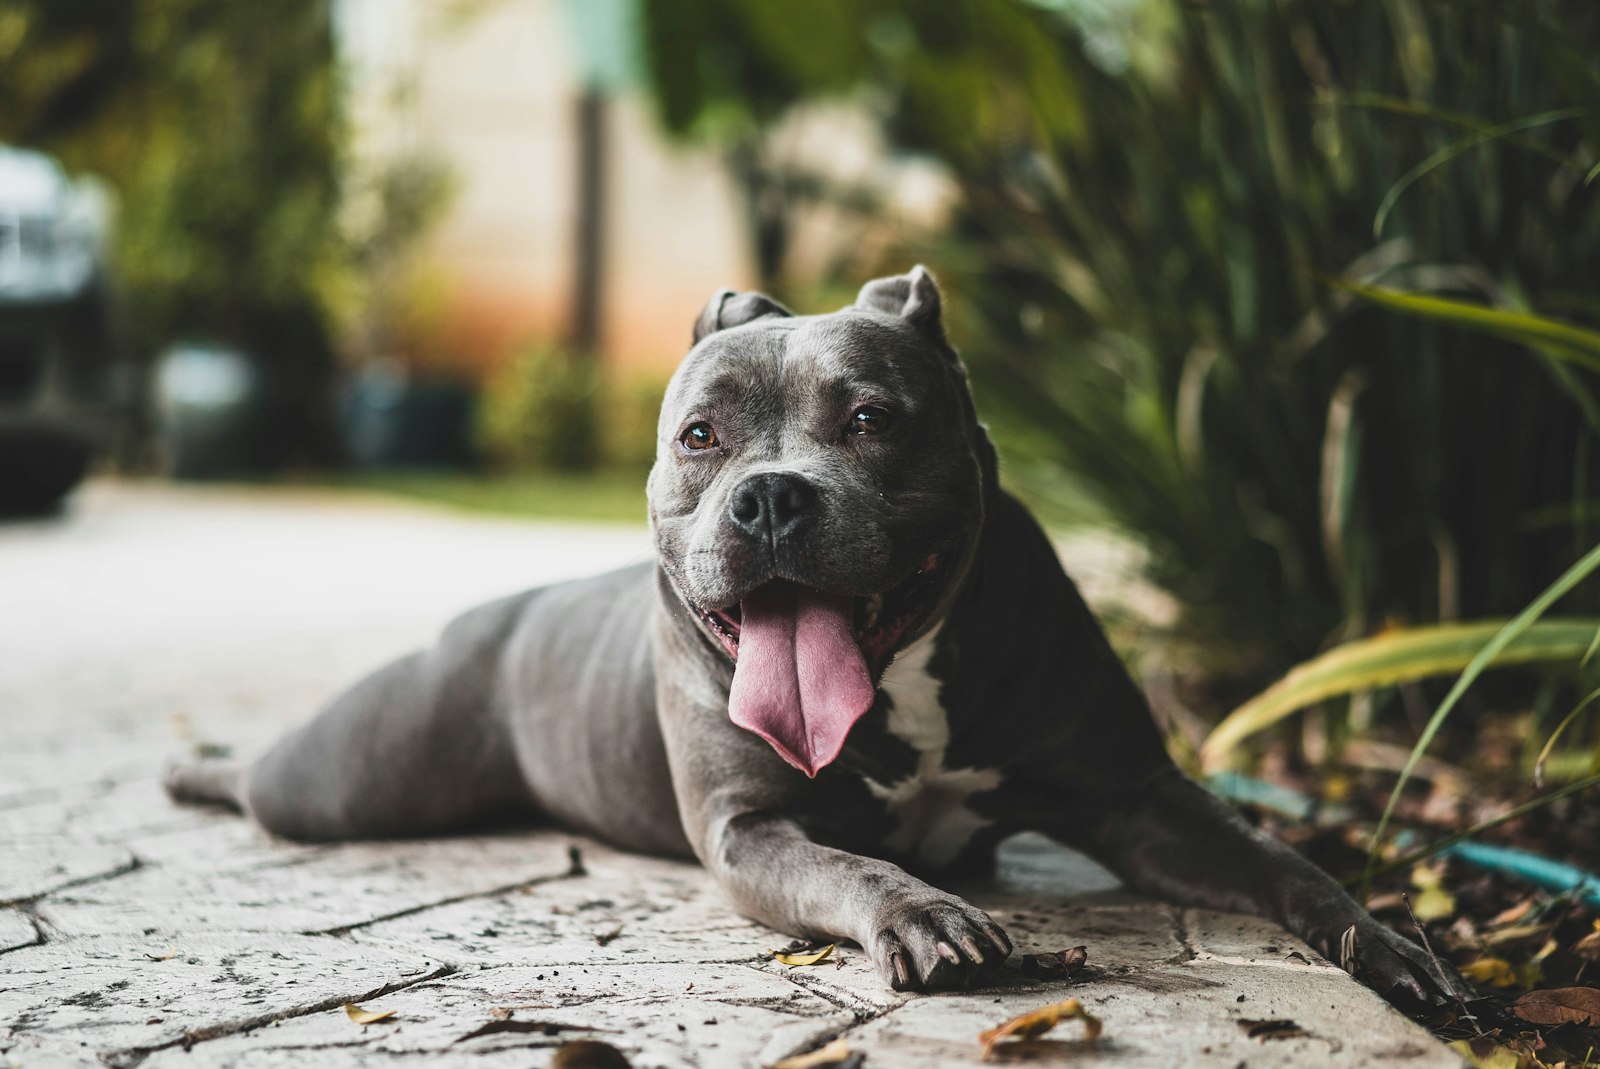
(817, 492)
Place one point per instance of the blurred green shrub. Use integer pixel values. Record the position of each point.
(222, 126)
(551, 409)
(1153, 195)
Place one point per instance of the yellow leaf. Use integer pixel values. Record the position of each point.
(1497, 1058)
(361, 1016)
(1039, 1021)
(1520, 934)
(1398, 656)
(804, 957)
(832, 1054)
(1497, 972)
(1432, 901)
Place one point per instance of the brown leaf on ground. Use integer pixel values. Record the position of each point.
(791, 956)
(1522, 933)
(168, 956)
(835, 1055)
(1057, 966)
(365, 1016)
(1270, 1029)
(1038, 1022)
(1588, 947)
(1512, 914)
(589, 1054)
(1560, 1005)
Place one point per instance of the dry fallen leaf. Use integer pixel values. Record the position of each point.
(835, 1053)
(1055, 966)
(1432, 901)
(1038, 1022)
(1270, 1029)
(589, 1054)
(363, 1016)
(1522, 933)
(1560, 1005)
(543, 1028)
(1589, 946)
(168, 956)
(1486, 1055)
(1512, 914)
(1496, 972)
(803, 957)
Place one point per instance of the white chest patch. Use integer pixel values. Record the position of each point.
(932, 819)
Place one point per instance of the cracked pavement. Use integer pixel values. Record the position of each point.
(148, 619)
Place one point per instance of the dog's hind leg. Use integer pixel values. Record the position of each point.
(418, 747)
(209, 781)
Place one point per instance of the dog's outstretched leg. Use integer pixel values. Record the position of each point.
(418, 747)
(919, 937)
(1174, 839)
(208, 781)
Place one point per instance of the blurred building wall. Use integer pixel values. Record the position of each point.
(490, 89)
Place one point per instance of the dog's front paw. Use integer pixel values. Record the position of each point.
(1396, 968)
(934, 942)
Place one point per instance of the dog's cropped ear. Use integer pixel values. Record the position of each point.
(913, 297)
(731, 309)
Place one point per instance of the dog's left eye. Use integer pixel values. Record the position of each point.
(698, 436)
(870, 419)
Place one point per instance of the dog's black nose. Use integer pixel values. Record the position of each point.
(771, 505)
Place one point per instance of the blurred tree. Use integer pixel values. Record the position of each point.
(1154, 193)
(220, 125)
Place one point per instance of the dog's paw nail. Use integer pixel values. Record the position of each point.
(974, 951)
(948, 952)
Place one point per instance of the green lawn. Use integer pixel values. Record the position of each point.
(615, 497)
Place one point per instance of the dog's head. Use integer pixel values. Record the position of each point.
(817, 495)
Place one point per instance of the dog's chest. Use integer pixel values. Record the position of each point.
(928, 809)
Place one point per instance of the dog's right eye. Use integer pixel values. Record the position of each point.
(699, 436)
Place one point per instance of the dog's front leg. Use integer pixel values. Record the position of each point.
(918, 937)
(1174, 839)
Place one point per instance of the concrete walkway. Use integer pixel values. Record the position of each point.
(148, 619)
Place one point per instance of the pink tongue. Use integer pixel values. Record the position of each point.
(800, 681)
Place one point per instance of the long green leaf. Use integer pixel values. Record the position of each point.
(1456, 148)
(1550, 743)
(1402, 106)
(1405, 861)
(1507, 635)
(1564, 341)
(1390, 658)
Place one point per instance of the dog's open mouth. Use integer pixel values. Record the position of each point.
(805, 660)
(878, 622)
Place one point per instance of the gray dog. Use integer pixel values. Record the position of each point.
(854, 656)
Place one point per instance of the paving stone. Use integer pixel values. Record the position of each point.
(1245, 940)
(267, 885)
(625, 908)
(1187, 1014)
(665, 1015)
(16, 930)
(119, 994)
(37, 865)
(107, 811)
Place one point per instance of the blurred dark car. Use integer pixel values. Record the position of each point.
(57, 392)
